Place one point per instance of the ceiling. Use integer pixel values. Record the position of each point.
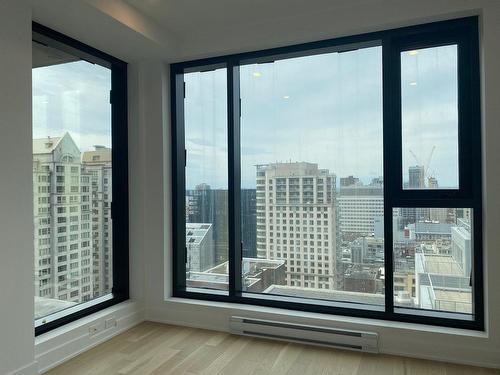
(176, 30)
(190, 17)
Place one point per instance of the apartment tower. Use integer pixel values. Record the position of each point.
(296, 221)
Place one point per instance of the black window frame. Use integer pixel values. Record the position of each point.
(464, 33)
(119, 154)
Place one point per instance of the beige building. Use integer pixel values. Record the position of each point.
(98, 165)
(296, 221)
(62, 220)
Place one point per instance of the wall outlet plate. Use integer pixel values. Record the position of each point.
(93, 329)
(110, 322)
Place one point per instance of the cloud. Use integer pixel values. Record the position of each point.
(325, 109)
(73, 97)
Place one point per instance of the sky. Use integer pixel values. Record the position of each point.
(324, 109)
(73, 97)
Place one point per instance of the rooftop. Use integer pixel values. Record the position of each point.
(196, 232)
(442, 265)
(45, 145)
(99, 156)
(326, 294)
(46, 306)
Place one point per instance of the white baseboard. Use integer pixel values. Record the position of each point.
(29, 369)
(60, 345)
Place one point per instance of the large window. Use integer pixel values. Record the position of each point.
(79, 144)
(340, 176)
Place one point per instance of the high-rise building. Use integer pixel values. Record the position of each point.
(296, 221)
(359, 205)
(416, 177)
(207, 205)
(98, 164)
(248, 223)
(62, 218)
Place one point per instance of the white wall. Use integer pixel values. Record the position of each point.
(16, 211)
(412, 340)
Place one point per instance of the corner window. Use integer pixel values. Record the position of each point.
(79, 135)
(341, 176)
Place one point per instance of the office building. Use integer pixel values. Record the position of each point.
(359, 207)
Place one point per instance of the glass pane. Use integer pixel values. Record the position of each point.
(304, 122)
(429, 97)
(432, 258)
(205, 110)
(72, 180)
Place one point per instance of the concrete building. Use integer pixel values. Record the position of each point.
(348, 181)
(440, 283)
(200, 247)
(62, 220)
(207, 205)
(363, 279)
(296, 221)
(98, 165)
(428, 231)
(359, 206)
(442, 215)
(257, 275)
(461, 249)
(367, 250)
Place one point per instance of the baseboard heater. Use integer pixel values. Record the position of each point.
(305, 334)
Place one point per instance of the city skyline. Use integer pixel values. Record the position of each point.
(343, 94)
(330, 243)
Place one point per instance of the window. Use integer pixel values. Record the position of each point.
(206, 177)
(369, 144)
(79, 99)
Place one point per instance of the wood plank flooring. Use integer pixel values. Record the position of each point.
(154, 349)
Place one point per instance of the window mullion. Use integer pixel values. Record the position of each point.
(392, 158)
(179, 176)
(234, 224)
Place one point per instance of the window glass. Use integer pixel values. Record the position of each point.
(72, 217)
(312, 177)
(429, 102)
(432, 250)
(205, 111)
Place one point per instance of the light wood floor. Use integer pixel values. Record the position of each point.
(152, 348)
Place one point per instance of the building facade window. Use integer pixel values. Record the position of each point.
(79, 99)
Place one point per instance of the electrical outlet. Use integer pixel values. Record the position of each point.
(93, 330)
(110, 322)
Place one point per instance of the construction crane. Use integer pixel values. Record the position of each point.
(426, 165)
